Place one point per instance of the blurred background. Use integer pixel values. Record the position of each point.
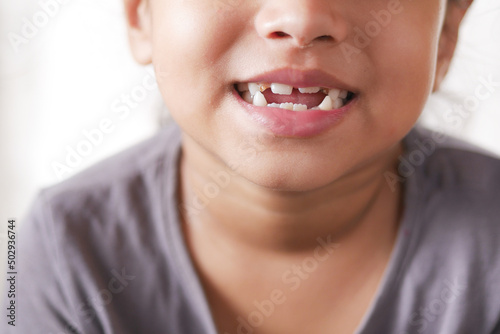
(66, 72)
(66, 76)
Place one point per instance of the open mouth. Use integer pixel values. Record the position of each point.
(276, 95)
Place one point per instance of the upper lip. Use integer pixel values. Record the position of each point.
(301, 79)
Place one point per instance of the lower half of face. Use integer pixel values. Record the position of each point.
(216, 60)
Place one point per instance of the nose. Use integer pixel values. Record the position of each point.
(301, 22)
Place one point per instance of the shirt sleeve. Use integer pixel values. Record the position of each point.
(41, 299)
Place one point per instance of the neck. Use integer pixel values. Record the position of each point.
(358, 207)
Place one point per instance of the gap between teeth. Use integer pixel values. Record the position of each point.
(328, 104)
(252, 93)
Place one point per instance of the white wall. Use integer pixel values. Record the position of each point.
(477, 58)
(62, 82)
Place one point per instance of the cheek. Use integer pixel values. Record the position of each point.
(192, 37)
(403, 62)
(191, 41)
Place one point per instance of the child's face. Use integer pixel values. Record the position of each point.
(385, 52)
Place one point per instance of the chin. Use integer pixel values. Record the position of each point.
(285, 179)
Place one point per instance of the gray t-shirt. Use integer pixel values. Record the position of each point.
(104, 253)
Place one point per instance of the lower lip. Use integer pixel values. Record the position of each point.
(288, 123)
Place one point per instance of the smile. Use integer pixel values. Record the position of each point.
(294, 103)
(277, 95)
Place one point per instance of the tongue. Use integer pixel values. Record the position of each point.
(310, 100)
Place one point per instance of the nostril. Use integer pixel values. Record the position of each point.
(282, 34)
(325, 38)
(279, 34)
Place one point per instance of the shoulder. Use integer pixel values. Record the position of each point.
(120, 197)
(101, 236)
(453, 167)
(452, 228)
(455, 196)
(457, 187)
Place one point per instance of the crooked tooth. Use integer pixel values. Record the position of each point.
(343, 94)
(253, 88)
(309, 90)
(288, 106)
(259, 100)
(247, 97)
(334, 93)
(299, 107)
(338, 103)
(327, 104)
(281, 89)
(242, 87)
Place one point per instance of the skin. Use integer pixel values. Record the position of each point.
(284, 193)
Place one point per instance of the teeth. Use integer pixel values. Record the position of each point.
(309, 90)
(254, 88)
(259, 100)
(264, 86)
(327, 104)
(299, 107)
(281, 89)
(334, 94)
(252, 93)
(288, 106)
(247, 97)
(338, 103)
